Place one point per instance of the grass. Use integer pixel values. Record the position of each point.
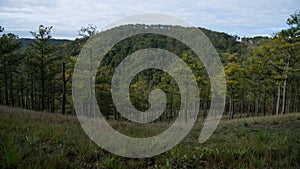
(31, 139)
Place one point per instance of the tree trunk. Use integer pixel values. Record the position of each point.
(278, 100)
(92, 114)
(172, 100)
(115, 113)
(248, 109)
(11, 91)
(6, 89)
(231, 108)
(241, 108)
(48, 104)
(26, 99)
(42, 81)
(256, 103)
(274, 103)
(289, 100)
(31, 93)
(52, 102)
(257, 98)
(22, 94)
(265, 98)
(186, 110)
(63, 102)
(207, 99)
(1, 97)
(284, 84)
(283, 96)
(295, 101)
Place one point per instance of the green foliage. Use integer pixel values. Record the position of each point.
(12, 154)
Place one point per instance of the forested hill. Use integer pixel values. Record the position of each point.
(221, 41)
(26, 42)
(262, 74)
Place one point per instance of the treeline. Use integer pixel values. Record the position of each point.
(262, 73)
(31, 70)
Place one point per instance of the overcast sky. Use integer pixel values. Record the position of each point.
(236, 17)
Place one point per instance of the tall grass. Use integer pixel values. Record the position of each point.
(31, 139)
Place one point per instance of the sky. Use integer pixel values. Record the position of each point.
(237, 17)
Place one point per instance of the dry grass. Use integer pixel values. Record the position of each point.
(30, 139)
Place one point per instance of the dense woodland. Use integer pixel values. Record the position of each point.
(262, 73)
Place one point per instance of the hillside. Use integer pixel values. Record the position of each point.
(26, 42)
(31, 139)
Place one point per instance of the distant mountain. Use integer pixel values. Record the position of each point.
(223, 42)
(27, 41)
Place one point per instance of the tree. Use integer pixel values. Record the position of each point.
(88, 31)
(259, 72)
(233, 73)
(43, 46)
(294, 30)
(290, 49)
(8, 63)
(281, 55)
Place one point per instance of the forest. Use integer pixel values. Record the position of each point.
(262, 73)
(260, 126)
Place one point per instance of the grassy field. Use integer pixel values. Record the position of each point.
(41, 140)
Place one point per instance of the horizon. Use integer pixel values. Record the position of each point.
(234, 17)
(70, 39)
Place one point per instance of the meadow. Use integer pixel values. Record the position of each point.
(30, 139)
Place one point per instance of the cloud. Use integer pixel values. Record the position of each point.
(248, 18)
(244, 18)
